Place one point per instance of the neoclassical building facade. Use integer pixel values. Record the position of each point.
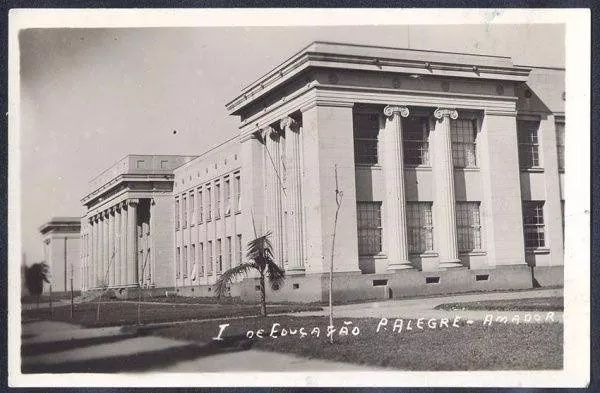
(447, 167)
(126, 231)
(61, 250)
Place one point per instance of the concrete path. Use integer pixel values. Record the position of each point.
(60, 347)
(424, 307)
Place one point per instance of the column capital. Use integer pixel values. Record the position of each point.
(446, 112)
(391, 110)
(104, 214)
(132, 202)
(289, 122)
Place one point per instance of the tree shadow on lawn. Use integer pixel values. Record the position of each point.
(144, 361)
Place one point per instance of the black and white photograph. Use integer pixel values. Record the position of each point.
(299, 197)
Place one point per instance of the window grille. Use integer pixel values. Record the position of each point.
(369, 228)
(419, 227)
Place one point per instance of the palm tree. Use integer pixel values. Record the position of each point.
(35, 276)
(260, 253)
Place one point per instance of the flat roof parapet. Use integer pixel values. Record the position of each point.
(379, 58)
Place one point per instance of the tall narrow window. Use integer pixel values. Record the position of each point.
(228, 252)
(420, 227)
(416, 141)
(227, 198)
(185, 261)
(239, 249)
(177, 216)
(463, 133)
(369, 227)
(238, 193)
(184, 212)
(200, 207)
(192, 211)
(468, 226)
(210, 257)
(366, 130)
(193, 262)
(562, 213)
(219, 257)
(178, 262)
(560, 145)
(529, 156)
(201, 259)
(533, 222)
(217, 201)
(208, 204)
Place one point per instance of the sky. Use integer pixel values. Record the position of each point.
(91, 96)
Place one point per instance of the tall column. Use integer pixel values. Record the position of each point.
(97, 250)
(101, 250)
(293, 195)
(90, 264)
(111, 247)
(105, 249)
(274, 189)
(132, 276)
(117, 270)
(88, 276)
(395, 195)
(124, 237)
(443, 168)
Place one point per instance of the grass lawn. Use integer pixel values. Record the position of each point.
(467, 347)
(534, 304)
(125, 313)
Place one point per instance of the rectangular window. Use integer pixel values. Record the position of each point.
(533, 224)
(369, 227)
(463, 133)
(228, 251)
(185, 262)
(366, 131)
(177, 214)
(239, 249)
(184, 212)
(178, 262)
(192, 200)
(210, 257)
(416, 141)
(193, 261)
(219, 257)
(201, 259)
(560, 145)
(227, 192)
(200, 207)
(217, 201)
(238, 193)
(208, 204)
(468, 226)
(529, 156)
(420, 227)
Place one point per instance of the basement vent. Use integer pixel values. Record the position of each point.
(257, 287)
(192, 289)
(296, 286)
(432, 280)
(177, 290)
(379, 283)
(482, 277)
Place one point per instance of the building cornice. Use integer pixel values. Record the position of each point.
(316, 94)
(129, 177)
(379, 59)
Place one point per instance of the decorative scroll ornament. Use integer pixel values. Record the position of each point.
(442, 112)
(390, 110)
(266, 133)
(288, 122)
